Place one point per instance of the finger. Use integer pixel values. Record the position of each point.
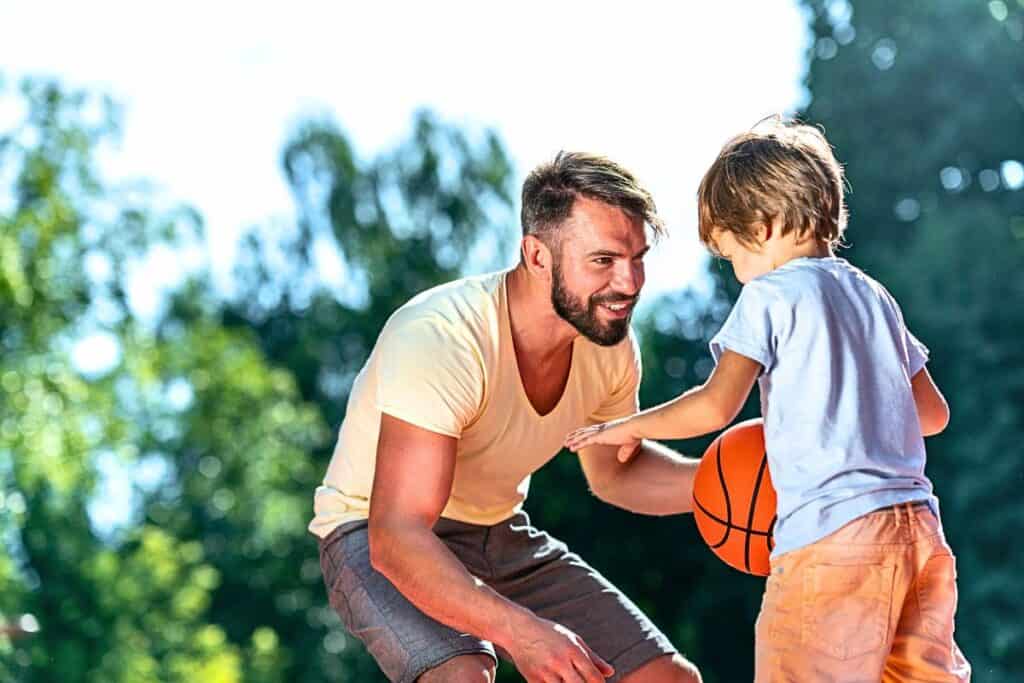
(575, 438)
(604, 668)
(576, 442)
(573, 675)
(587, 672)
(580, 444)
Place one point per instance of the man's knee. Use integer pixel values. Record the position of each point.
(668, 669)
(464, 669)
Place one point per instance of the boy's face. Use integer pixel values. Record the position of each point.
(748, 261)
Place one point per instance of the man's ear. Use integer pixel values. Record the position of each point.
(537, 256)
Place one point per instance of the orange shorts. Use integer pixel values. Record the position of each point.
(873, 601)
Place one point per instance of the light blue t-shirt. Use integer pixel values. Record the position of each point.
(841, 427)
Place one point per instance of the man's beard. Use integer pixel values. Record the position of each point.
(584, 317)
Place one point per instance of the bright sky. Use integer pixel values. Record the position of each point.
(210, 90)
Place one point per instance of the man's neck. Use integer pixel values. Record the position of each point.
(537, 330)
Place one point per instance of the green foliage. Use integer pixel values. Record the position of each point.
(199, 402)
(230, 404)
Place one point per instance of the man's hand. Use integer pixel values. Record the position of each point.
(621, 433)
(550, 653)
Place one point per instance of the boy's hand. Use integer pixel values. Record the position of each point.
(615, 433)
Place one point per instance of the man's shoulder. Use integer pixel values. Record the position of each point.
(466, 302)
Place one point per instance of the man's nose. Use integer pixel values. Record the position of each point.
(629, 278)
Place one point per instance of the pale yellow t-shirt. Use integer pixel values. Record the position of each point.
(445, 362)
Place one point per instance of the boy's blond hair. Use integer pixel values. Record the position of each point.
(779, 168)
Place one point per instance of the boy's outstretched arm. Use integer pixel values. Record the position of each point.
(703, 409)
(932, 409)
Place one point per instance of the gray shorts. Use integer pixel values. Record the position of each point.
(518, 561)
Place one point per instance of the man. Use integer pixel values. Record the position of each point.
(472, 386)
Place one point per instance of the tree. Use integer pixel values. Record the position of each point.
(180, 395)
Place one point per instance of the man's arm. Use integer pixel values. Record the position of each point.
(655, 481)
(412, 482)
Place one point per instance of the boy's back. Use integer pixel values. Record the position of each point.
(841, 427)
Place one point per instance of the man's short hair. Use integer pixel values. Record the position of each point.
(779, 169)
(551, 189)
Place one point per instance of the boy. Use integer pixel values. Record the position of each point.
(863, 583)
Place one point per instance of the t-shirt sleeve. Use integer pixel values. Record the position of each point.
(749, 329)
(917, 353)
(624, 397)
(429, 375)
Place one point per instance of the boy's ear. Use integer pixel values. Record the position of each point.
(768, 228)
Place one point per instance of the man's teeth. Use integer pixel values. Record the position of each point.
(616, 307)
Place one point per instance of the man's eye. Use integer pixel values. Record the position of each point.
(603, 260)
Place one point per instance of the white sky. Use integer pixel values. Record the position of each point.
(210, 90)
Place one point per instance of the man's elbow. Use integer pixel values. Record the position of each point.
(601, 487)
(381, 544)
(610, 495)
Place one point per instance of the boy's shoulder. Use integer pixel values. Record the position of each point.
(789, 282)
(805, 277)
(815, 284)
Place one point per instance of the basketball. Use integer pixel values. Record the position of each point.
(734, 500)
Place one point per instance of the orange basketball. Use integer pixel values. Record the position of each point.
(734, 500)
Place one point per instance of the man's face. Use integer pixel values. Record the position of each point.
(598, 270)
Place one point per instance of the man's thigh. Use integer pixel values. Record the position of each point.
(537, 571)
(404, 641)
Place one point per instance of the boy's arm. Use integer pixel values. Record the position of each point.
(932, 409)
(703, 409)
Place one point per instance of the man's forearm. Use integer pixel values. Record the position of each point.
(656, 481)
(429, 575)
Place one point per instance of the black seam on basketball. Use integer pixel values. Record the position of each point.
(725, 492)
(753, 506)
(715, 518)
(771, 534)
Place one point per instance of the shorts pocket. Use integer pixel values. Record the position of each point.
(936, 594)
(846, 608)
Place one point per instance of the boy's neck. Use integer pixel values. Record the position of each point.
(807, 248)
